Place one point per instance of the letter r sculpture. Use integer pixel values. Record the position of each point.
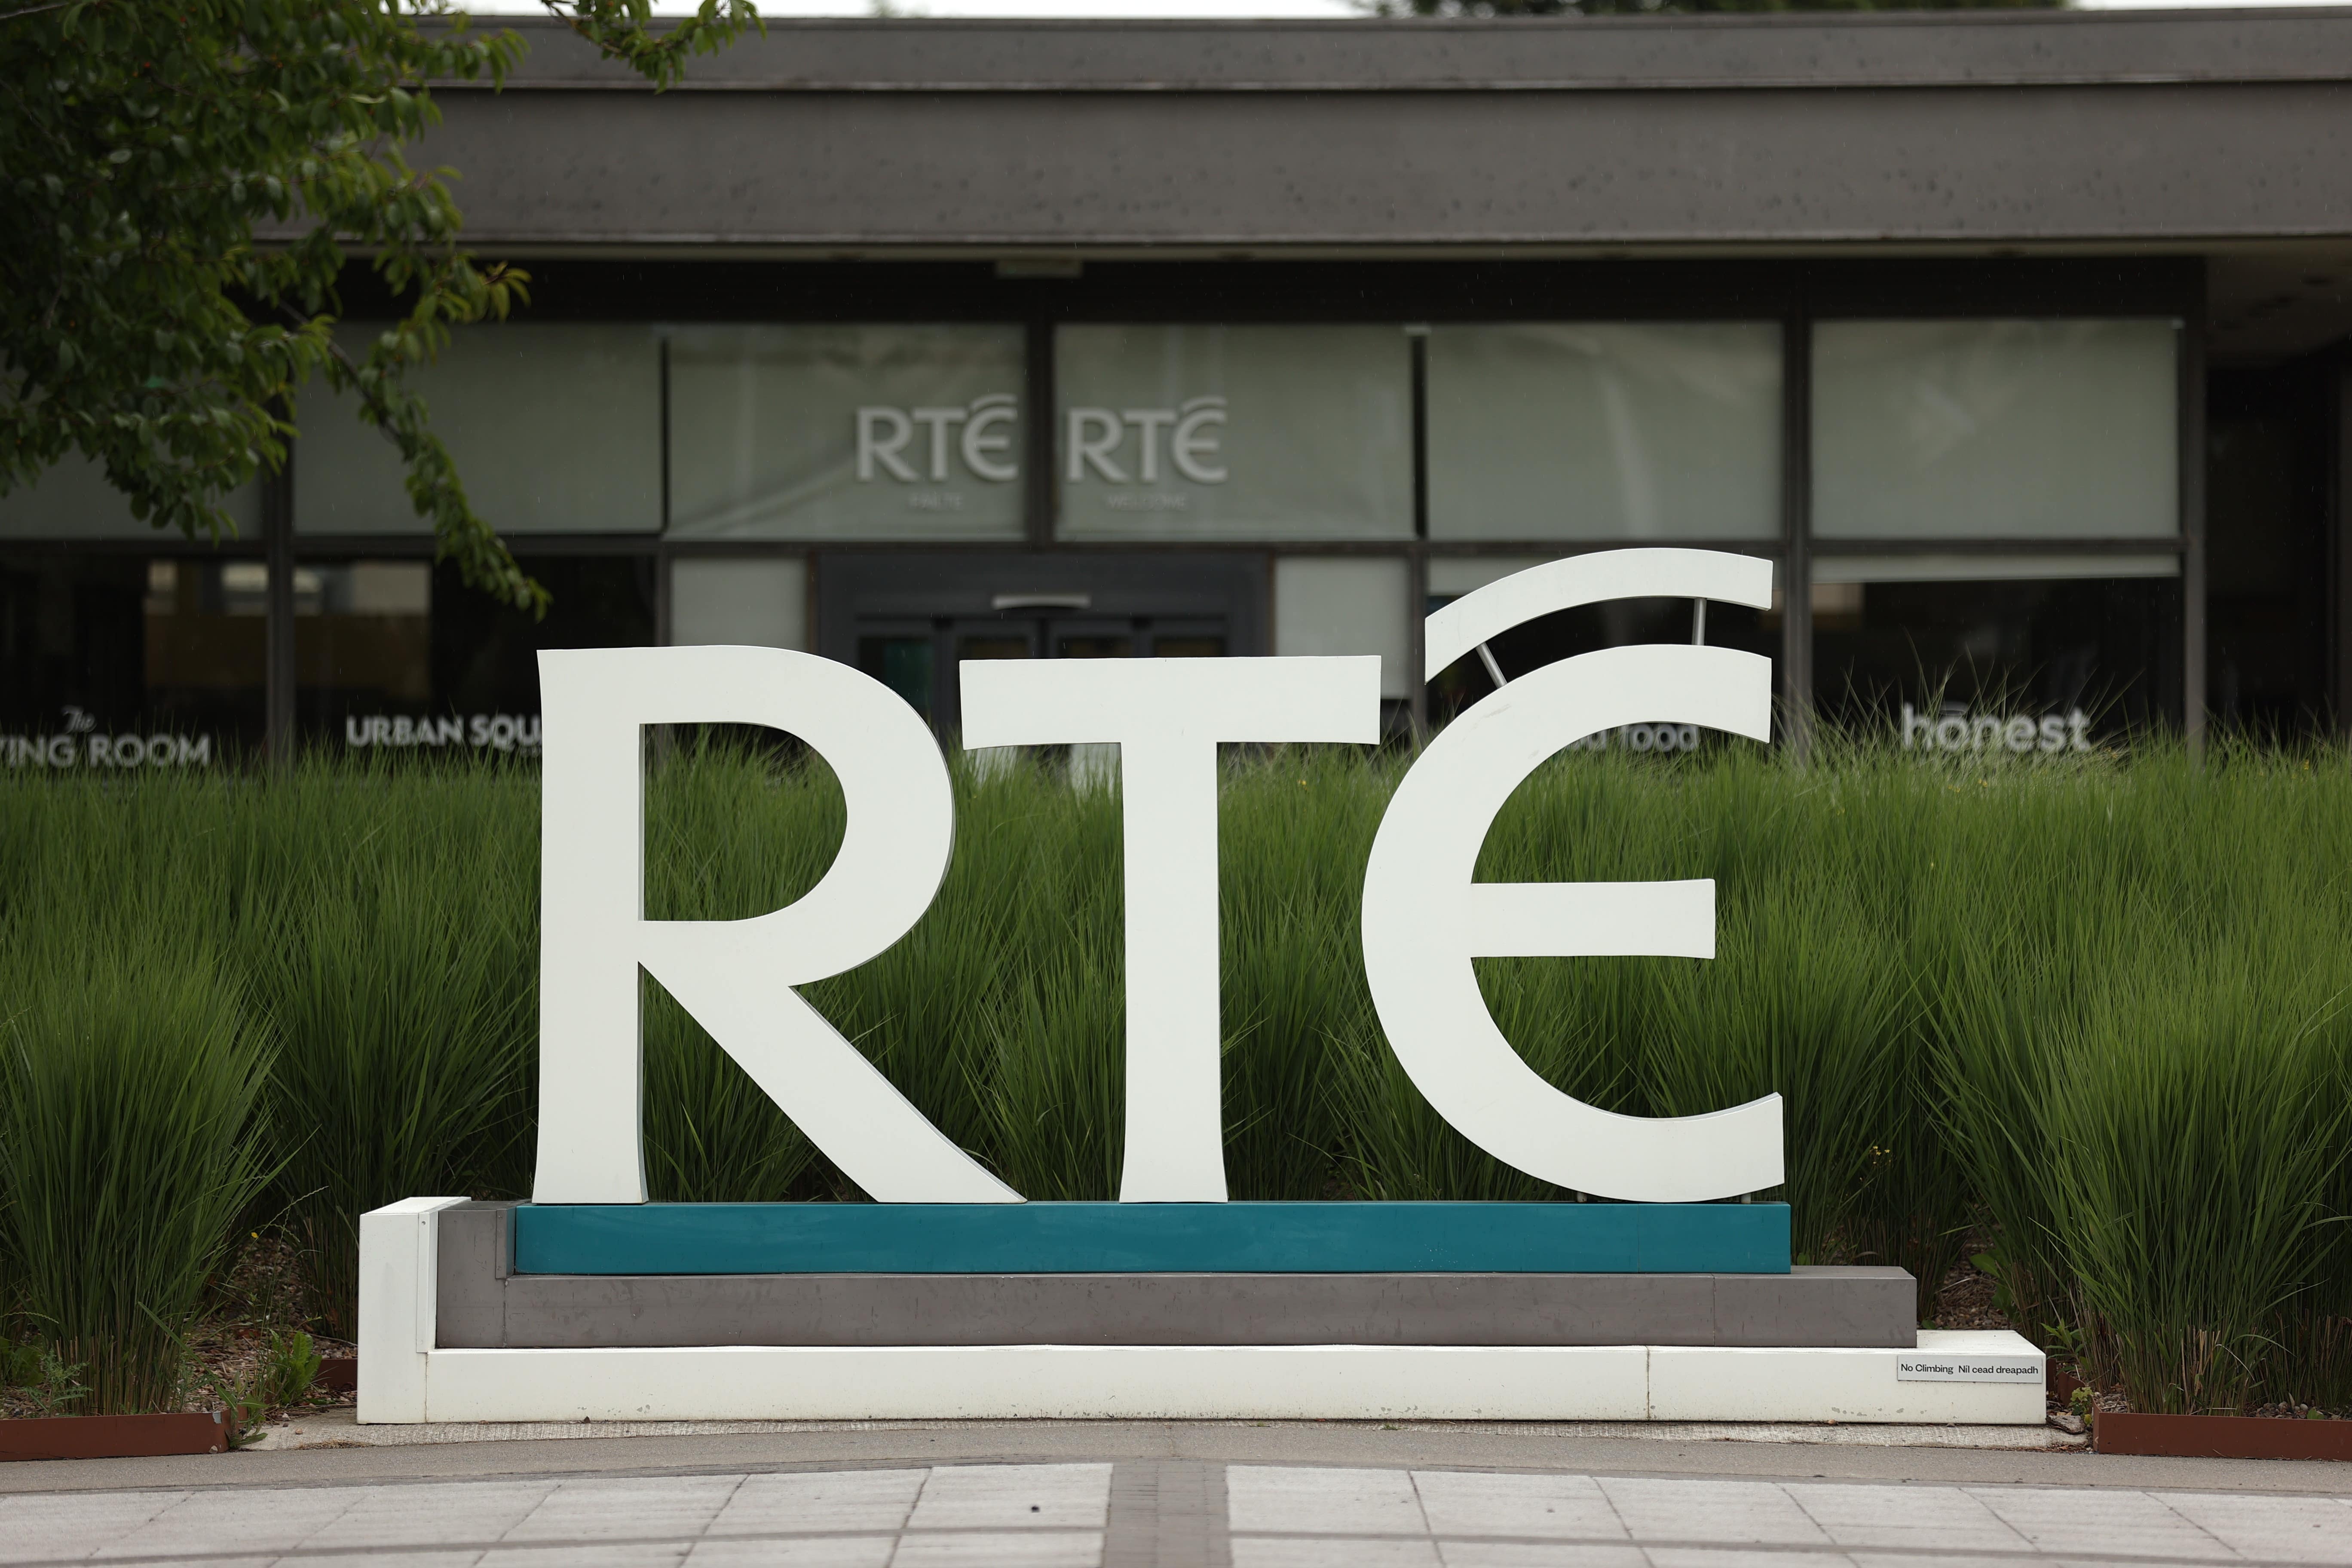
(735, 977)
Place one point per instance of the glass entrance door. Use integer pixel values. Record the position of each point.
(909, 620)
(906, 656)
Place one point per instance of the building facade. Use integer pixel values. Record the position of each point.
(2017, 341)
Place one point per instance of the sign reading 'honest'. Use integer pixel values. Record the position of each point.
(1424, 918)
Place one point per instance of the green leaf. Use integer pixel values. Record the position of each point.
(125, 279)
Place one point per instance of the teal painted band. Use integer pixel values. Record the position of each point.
(1152, 1238)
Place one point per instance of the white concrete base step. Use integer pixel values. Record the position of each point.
(337, 1429)
(1973, 1378)
(1193, 1383)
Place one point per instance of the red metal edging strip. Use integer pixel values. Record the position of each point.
(2222, 1437)
(114, 1436)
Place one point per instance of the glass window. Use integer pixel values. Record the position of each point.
(2272, 461)
(1605, 430)
(749, 602)
(1612, 623)
(73, 501)
(363, 643)
(2004, 654)
(1586, 628)
(1451, 576)
(1092, 644)
(1991, 568)
(555, 430)
(401, 657)
(1211, 432)
(129, 660)
(1326, 604)
(1996, 429)
(846, 432)
(904, 665)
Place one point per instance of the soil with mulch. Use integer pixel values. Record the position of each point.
(2300, 1413)
(263, 1289)
(1964, 1300)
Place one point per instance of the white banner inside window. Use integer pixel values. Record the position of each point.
(1214, 432)
(1666, 430)
(2018, 429)
(846, 432)
(555, 430)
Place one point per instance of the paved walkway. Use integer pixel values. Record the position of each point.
(1168, 1514)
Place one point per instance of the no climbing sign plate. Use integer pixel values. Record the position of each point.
(1967, 1369)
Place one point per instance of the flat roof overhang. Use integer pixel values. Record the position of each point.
(2221, 135)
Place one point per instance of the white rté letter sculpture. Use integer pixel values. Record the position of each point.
(1425, 920)
(1168, 716)
(735, 977)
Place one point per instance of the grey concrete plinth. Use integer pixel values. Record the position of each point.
(484, 1305)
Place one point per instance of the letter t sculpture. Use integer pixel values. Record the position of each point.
(1167, 717)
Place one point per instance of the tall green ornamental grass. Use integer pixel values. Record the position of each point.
(132, 1069)
(392, 950)
(2090, 1010)
(1294, 829)
(2141, 983)
(2194, 1147)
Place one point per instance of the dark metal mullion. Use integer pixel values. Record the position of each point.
(2192, 526)
(665, 623)
(280, 669)
(1376, 293)
(946, 694)
(1796, 527)
(2164, 544)
(1416, 641)
(1037, 465)
(420, 546)
(2338, 523)
(1550, 549)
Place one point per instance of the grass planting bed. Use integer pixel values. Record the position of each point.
(2089, 1009)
